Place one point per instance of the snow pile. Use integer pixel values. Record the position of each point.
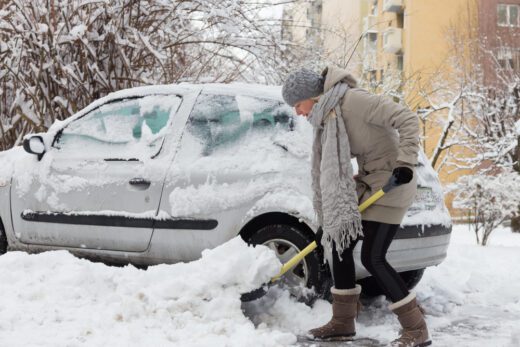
(55, 299)
(52, 299)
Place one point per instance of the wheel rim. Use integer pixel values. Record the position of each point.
(296, 278)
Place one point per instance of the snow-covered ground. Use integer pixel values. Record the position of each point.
(54, 299)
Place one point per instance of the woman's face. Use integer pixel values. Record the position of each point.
(304, 107)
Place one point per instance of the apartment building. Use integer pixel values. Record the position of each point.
(499, 26)
(302, 23)
(414, 41)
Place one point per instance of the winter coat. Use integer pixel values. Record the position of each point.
(382, 135)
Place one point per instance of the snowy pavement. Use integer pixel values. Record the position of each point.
(54, 299)
(471, 299)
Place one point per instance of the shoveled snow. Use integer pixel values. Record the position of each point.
(54, 299)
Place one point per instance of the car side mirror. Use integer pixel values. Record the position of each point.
(34, 144)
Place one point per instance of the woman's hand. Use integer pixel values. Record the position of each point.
(402, 175)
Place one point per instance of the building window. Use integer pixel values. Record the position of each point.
(508, 15)
(373, 9)
(373, 78)
(400, 62)
(509, 59)
(371, 42)
(400, 20)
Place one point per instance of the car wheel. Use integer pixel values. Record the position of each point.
(410, 278)
(309, 279)
(3, 239)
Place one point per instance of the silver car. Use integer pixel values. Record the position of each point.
(158, 174)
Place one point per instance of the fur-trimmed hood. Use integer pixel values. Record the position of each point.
(334, 74)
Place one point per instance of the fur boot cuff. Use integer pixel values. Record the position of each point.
(402, 302)
(353, 291)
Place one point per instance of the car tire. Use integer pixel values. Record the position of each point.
(370, 288)
(3, 239)
(312, 272)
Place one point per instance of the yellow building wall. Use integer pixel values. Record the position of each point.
(426, 50)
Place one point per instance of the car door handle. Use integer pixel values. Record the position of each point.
(140, 183)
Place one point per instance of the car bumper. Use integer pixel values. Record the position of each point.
(413, 248)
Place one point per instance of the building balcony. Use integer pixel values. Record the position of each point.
(392, 40)
(393, 6)
(370, 24)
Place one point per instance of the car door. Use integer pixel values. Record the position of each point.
(220, 171)
(99, 186)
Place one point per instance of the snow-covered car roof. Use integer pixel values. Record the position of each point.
(272, 92)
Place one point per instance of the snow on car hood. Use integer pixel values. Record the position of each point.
(15, 160)
(7, 159)
(421, 211)
(70, 301)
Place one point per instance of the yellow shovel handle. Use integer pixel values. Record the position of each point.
(295, 260)
(371, 200)
(312, 246)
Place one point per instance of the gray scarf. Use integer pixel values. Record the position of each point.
(335, 199)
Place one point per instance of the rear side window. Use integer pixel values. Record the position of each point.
(218, 121)
(121, 129)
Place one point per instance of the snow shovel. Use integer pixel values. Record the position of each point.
(257, 293)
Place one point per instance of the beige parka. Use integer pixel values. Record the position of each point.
(382, 135)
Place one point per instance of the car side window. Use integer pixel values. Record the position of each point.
(122, 129)
(265, 113)
(215, 120)
(221, 120)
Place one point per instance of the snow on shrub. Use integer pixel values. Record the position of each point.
(490, 200)
(56, 57)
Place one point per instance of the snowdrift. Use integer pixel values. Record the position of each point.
(56, 299)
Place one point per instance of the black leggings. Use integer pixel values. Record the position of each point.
(376, 240)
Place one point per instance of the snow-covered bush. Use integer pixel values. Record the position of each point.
(57, 56)
(490, 200)
(492, 153)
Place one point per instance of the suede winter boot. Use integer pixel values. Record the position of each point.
(345, 308)
(410, 315)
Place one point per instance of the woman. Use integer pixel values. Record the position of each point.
(384, 138)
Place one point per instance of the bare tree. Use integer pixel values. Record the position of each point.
(486, 110)
(58, 56)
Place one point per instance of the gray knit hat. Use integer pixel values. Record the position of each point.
(302, 84)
